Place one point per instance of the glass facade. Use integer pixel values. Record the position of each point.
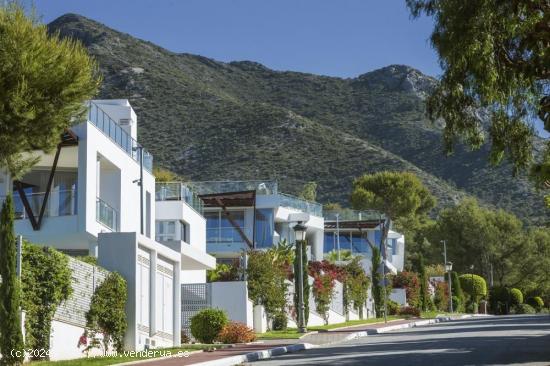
(354, 241)
(220, 230)
(265, 226)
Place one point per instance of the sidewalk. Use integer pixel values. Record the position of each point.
(266, 349)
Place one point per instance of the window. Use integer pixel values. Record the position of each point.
(219, 228)
(264, 228)
(166, 231)
(184, 232)
(329, 242)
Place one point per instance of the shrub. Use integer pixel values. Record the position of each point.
(184, 338)
(536, 302)
(523, 309)
(516, 297)
(280, 321)
(458, 304)
(224, 272)
(441, 297)
(478, 288)
(46, 283)
(393, 307)
(207, 324)
(107, 312)
(409, 310)
(498, 300)
(235, 332)
(410, 282)
(472, 307)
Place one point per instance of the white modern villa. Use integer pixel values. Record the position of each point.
(96, 195)
(244, 215)
(356, 231)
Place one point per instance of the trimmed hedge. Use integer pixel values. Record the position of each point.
(478, 288)
(536, 302)
(516, 297)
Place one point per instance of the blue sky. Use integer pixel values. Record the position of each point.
(329, 37)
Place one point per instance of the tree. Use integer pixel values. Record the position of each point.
(11, 337)
(376, 276)
(356, 284)
(309, 192)
(45, 81)
(494, 56)
(425, 300)
(399, 195)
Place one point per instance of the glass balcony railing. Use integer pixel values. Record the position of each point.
(347, 214)
(109, 127)
(177, 191)
(106, 215)
(60, 203)
(313, 208)
(262, 187)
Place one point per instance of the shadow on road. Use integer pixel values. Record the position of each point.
(485, 341)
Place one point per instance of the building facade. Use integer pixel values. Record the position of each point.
(95, 195)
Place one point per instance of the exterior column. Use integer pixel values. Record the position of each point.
(177, 304)
(153, 294)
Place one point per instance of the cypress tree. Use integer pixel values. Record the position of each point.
(11, 337)
(424, 293)
(376, 281)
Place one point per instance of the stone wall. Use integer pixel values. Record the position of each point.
(85, 279)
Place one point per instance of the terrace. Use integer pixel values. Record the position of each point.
(177, 191)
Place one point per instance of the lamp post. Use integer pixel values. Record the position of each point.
(449, 268)
(300, 235)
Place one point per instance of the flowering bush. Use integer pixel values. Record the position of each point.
(409, 310)
(236, 332)
(324, 274)
(411, 283)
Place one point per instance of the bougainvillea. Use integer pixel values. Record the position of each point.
(411, 283)
(324, 274)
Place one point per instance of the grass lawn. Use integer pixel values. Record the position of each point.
(112, 360)
(292, 333)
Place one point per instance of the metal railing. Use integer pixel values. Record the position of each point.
(347, 214)
(106, 214)
(115, 132)
(262, 187)
(177, 191)
(313, 208)
(60, 203)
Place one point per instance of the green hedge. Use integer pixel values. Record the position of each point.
(516, 297)
(536, 302)
(477, 288)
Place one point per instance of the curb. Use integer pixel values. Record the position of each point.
(257, 355)
(153, 359)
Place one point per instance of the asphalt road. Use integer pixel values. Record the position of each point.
(505, 340)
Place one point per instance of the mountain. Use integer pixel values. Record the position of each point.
(210, 120)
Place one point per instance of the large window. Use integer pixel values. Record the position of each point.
(356, 242)
(264, 228)
(166, 231)
(219, 228)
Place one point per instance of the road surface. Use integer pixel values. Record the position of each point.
(503, 340)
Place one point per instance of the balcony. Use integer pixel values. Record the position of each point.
(353, 215)
(262, 187)
(312, 208)
(106, 215)
(177, 191)
(60, 203)
(102, 121)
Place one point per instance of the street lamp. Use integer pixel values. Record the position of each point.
(300, 235)
(449, 268)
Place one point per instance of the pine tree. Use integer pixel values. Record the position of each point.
(11, 337)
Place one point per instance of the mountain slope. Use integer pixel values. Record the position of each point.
(240, 120)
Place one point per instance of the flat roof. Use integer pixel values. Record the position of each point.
(358, 224)
(229, 199)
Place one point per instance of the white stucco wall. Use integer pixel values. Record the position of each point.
(233, 298)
